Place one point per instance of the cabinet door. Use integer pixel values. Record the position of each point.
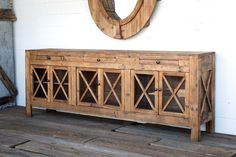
(174, 94)
(144, 91)
(40, 83)
(113, 89)
(87, 85)
(60, 84)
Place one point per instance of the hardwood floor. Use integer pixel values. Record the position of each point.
(62, 134)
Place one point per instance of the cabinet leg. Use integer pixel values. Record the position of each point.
(210, 127)
(195, 134)
(29, 111)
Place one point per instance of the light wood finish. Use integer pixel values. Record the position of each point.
(194, 99)
(177, 90)
(104, 15)
(176, 93)
(210, 126)
(28, 86)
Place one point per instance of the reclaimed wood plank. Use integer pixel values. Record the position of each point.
(59, 150)
(155, 132)
(74, 133)
(195, 148)
(141, 150)
(10, 152)
(10, 141)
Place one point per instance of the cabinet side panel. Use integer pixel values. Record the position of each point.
(207, 90)
(210, 127)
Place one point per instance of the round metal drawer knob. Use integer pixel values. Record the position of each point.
(158, 62)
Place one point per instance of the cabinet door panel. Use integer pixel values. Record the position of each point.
(88, 86)
(60, 84)
(144, 91)
(113, 85)
(40, 82)
(174, 94)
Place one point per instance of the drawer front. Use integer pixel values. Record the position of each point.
(179, 62)
(100, 59)
(159, 62)
(48, 57)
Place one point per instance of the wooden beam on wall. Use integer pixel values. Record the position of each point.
(7, 15)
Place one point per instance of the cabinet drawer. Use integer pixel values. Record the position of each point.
(48, 57)
(159, 62)
(100, 59)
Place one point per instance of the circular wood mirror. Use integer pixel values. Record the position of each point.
(106, 18)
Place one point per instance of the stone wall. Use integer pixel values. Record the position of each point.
(6, 52)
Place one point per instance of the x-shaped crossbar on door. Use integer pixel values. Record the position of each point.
(40, 84)
(144, 91)
(60, 83)
(173, 94)
(206, 91)
(88, 86)
(112, 87)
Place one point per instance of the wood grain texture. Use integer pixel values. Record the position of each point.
(194, 99)
(60, 134)
(7, 15)
(104, 15)
(171, 88)
(28, 86)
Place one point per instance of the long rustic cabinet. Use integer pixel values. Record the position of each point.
(171, 88)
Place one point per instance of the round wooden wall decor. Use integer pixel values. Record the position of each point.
(104, 15)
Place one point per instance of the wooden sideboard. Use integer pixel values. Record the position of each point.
(170, 88)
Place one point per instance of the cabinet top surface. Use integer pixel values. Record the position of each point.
(118, 52)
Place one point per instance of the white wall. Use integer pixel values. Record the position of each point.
(206, 25)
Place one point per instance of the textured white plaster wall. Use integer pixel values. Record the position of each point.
(195, 25)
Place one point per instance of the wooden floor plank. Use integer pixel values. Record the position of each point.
(179, 134)
(9, 141)
(71, 132)
(61, 134)
(69, 119)
(195, 148)
(145, 150)
(154, 132)
(10, 152)
(81, 135)
(58, 150)
(219, 140)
